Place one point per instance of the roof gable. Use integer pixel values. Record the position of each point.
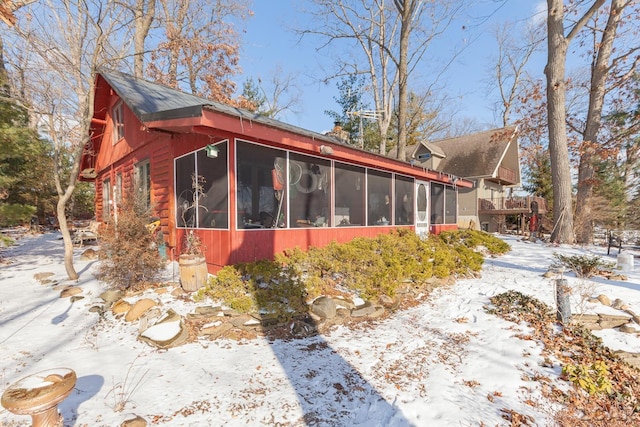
(475, 155)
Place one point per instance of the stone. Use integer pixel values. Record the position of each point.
(70, 291)
(97, 309)
(387, 301)
(139, 308)
(177, 292)
(363, 310)
(324, 307)
(549, 274)
(619, 277)
(89, 255)
(120, 306)
(206, 312)
(627, 329)
(216, 331)
(302, 329)
(137, 421)
(76, 298)
(42, 276)
(604, 300)
(610, 321)
(344, 302)
(111, 296)
(377, 312)
(618, 304)
(148, 318)
(246, 323)
(161, 291)
(589, 321)
(633, 315)
(168, 332)
(632, 359)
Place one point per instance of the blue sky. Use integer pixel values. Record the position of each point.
(270, 43)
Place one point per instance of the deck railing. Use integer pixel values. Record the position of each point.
(507, 175)
(515, 204)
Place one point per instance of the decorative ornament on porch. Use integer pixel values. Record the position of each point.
(192, 261)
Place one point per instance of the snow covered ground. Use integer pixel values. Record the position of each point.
(445, 362)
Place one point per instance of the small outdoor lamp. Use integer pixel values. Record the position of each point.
(212, 151)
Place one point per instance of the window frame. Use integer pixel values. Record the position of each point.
(142, 181)
(106, 199)
(117, 117)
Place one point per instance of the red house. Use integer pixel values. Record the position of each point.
(250, 186)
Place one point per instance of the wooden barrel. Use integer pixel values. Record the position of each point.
(193, 272)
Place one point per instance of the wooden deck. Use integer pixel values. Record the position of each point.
(511, 205)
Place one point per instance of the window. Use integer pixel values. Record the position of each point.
(202, 188)
(437, 203)
(261, 186)
(117, 115)
(379, 198)
(404, 200)
(106, 200)
(118, 189)
(142, 175)
(309, 191)
(349, 195)
(450, 205)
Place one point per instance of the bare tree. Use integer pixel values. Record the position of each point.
(280, 93)
(557, 46)
(512, 59)
(144, 12)
(391, 39)
(58, 73)
(611, 68)
(201, 48)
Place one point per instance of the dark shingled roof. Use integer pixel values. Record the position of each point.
(152, 101)
(474, 155)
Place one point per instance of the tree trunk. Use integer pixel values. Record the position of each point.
(66, 238)
(556, 111)
(405, 8)
(143, 19)
(590, 151)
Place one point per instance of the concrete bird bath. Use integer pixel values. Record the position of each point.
(38, 395)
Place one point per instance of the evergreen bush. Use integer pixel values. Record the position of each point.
(364, 267)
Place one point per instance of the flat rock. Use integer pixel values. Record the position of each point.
(632, 359)
(206, 312)
(41, 276)
(618, 304)
(324, 307)
(604, 300)
(138, 421)
(139, 308)
(363, 310)
(89, 255)
(216, 331)
(120, 306)
(70, 291)
(111, 296)
(609, 321)
(169, 332)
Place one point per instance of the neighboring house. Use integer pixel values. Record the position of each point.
(490, 159)
(248, 185)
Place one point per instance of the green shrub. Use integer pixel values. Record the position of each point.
(15, 214)
(366, 267)
(582, 265)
